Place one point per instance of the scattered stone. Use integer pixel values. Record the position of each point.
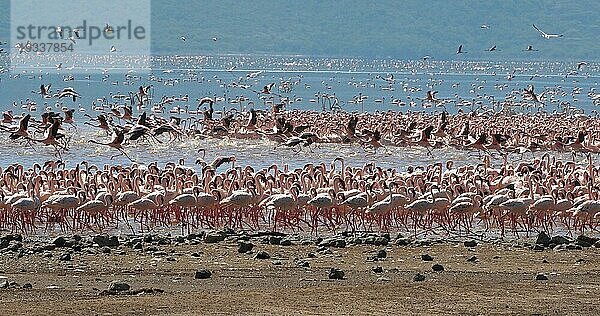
(381, 241)
(381, 254)
(597, 244)
(336, 274)
(303, 263)
(214, 237)
(585, 241)
(148, 238)
(195, 254)
(27, 286)
(286, 242)
(419, 277)
(244, 247)
(106, 241)
(65, 257)
(59, 241)
(426, 257)
(541, 277)
(138, 246)
(164, 241)
(276, 262)
(377, 269)
(544, 261)
(538, 247)
(543, 239)
(559, 240)
(574, 247)
(470, 243)
(202, 274)
(473, 259)
(262, 255)
(105, 249)
(402, 242)
(152, 249)
(311, 255)
(275, 240)
(437, 267)
(118, 286)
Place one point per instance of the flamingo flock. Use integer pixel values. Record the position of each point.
(538, 195)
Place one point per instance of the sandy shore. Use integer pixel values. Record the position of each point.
(73, 275)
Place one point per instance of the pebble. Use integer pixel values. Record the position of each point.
(65, 257)
(202, 274)
(336, 274)
(377, 269)
(541, 277)
(426, 257)
(419, 277)
(262, 255)
(470, 243)
(437, 267)
(473, 259)
(118, 286)
(27, 286)
(244, 247)
(381, 254)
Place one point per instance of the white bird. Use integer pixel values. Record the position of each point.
(113, 49)
(182, 38)
(546, 35)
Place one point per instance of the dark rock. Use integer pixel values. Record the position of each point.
(275, 240)
(138, 246)
(473, 259)
(381, 241)
(151, 249)
(59, 241)
(381, 254)
(195, 254)
(286, 242)
(541, 277)
(262, 255)
(77, 238)
(574, 247)
(419, 277)
(311, 255)
(65, 257)
(191, 236)
(426, 257)
(202, 274)
(336, 274)
(164, 241)
(559, 240)
(402, 242)
(14, 245)
(303, 263)
(180, 239)
(470, 243)
(597, 244)
(105, 250)
(437, 267)
(377, 269)
(49, 247)
(27, 286)
(538, 247)
(118, 286)
(339, 243)
(214, 237)
(106, 241)
(585, 241)
(148, 238)
(543, 239)
(545, 260)
(244, 247)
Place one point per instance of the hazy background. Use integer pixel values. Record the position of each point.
(372, 29)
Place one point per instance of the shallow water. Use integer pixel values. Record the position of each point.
(199, 76)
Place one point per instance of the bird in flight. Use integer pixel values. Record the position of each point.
(491, 49)
(460, 51)
(182, 38)
(581, 64)
(530, 49)
(546, 35)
